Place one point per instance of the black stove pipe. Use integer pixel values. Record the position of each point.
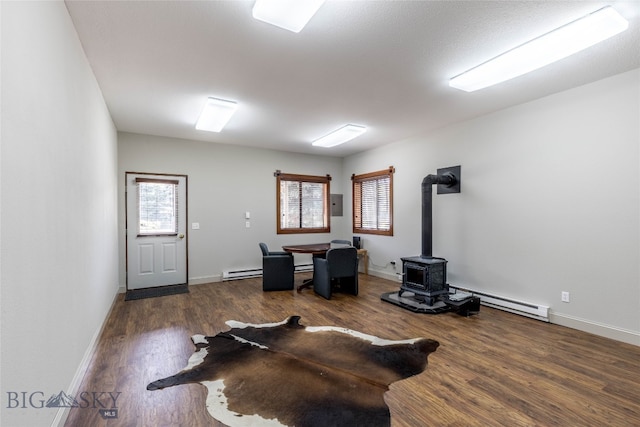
(447, 179)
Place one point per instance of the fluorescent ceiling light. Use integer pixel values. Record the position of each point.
(550, 47)
(342, 135)
(291, 15)
(215, 114)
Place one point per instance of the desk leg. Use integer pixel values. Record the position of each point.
(365, 258)
(307, 283)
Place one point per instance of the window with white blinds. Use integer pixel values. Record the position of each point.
(373, 202)
(302, 203)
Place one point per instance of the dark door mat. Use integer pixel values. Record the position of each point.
(160, 291)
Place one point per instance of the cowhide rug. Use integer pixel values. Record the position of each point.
(286, 374)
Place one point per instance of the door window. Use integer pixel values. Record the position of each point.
(157, 207)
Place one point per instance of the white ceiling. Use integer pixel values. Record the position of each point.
(381, 64)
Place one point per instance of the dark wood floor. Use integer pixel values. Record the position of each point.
(493, 369)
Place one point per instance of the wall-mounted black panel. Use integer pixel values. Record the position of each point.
(450, 188)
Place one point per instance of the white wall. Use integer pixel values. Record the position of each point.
(226, 181)
(59, 207)
(550, 202)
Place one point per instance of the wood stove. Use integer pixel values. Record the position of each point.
(425, 275)
(426, 278)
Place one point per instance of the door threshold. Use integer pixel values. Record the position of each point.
(159, 291)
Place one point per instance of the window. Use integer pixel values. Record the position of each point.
(302, 203)
(373, 202)
(157, 206)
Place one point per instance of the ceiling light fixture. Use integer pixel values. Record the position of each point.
(291, 15)
(215, 114)
(550, 47)
(340, 136)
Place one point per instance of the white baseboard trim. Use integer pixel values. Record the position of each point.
(61, 415)
(600, 329)
(192, 281)
(205, 279)
(395, 277)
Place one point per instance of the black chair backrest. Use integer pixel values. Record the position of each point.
(341, 242)
(342, 262)
(337, 243)
(265, 250)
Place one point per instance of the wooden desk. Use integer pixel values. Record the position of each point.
(320, 249)
(315, 249)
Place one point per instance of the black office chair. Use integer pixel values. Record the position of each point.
(337, 271)
(277, 270)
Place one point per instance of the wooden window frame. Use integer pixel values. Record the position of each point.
(325, 180)
(356, 186)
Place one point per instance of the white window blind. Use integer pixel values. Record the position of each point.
(373, 202)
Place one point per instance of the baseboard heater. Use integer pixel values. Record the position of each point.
(535, 311)
(257, 272)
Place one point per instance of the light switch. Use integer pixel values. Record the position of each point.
(247, 215)
(195, 226)
(247, 224)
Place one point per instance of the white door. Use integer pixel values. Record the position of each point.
(156, 208)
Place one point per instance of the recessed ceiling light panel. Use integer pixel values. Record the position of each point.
(550, 47)
(291, 15)
(340, 136)
(215, 114)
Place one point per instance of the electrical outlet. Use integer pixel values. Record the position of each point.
(565, 296)
(393, 264)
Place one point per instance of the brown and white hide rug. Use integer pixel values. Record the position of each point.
(286, 374)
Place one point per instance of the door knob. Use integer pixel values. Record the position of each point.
(180, 236)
